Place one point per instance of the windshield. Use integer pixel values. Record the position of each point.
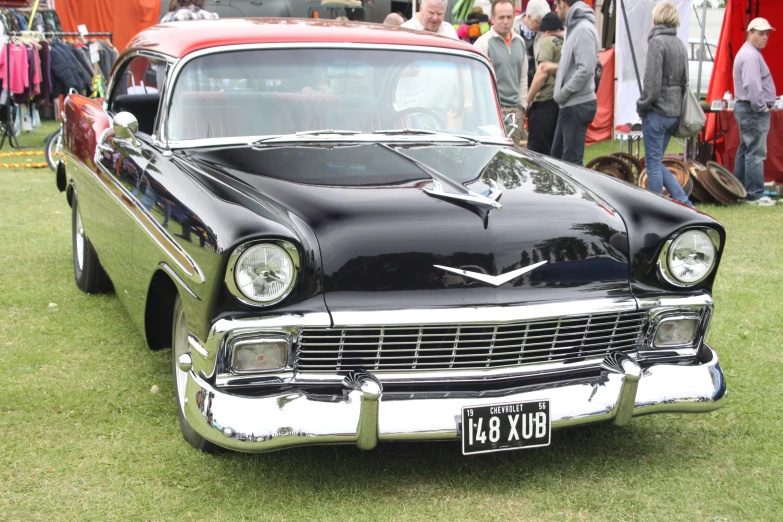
(274, 92)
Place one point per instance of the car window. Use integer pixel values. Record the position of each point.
(708, 54)
(271, 92)
(138, 90)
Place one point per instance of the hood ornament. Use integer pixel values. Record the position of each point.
(493, 280)
(483, 202)
(487, 200)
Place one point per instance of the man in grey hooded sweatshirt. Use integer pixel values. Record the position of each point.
(575, 81)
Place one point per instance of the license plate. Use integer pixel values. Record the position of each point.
(503, 427)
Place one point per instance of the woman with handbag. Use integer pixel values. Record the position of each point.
(660, 105)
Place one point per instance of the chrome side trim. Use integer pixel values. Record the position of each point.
(162, 132)
(177, 279)
(159, 235)
(194, 343)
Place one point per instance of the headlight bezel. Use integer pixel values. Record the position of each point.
(289, 248)
(664, 270)
(661, 313)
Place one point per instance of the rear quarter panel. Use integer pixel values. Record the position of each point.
(105, 222)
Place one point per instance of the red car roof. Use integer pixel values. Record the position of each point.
(181, 38)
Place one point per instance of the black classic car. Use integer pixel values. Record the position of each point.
(328, 225)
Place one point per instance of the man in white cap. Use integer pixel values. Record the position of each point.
(754, 91)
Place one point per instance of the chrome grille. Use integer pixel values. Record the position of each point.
(426, 348)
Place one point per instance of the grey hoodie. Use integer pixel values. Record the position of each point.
(665, 74)
(575, 80)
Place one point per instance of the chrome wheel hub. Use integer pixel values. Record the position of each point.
(79, 240)
(180, 347)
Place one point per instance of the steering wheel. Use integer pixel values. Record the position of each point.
(439, 122)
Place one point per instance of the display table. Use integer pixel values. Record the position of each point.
(629, 138)
(773, 167)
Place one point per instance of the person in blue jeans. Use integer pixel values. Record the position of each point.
(660, 105)
(755, 94)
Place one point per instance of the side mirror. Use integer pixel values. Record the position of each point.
(510, 123)
(126, 126)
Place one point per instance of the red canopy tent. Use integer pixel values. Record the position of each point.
(122, 18)
(732, 37)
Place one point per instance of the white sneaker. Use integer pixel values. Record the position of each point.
(764, 201)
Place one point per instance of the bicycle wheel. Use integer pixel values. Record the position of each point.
(52, 149)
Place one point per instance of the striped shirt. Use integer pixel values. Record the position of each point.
(189, 13)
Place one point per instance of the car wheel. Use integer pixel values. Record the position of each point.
(87, 270)
(179, 346)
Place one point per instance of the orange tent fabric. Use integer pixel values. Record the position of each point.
(601, 128)
(131, 16)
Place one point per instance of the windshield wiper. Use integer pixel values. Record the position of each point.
(404, 131)
(326, 131)
(283, 138)
(464, 137)
(392, 132)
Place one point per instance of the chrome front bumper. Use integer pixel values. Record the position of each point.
(364, 414)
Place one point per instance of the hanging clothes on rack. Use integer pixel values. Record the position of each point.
(40, 66)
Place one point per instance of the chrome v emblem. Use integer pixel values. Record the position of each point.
(493, 280)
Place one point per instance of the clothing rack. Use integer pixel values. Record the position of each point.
(86, 35)
(8, 126)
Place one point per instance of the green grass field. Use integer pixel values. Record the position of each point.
(83, 438)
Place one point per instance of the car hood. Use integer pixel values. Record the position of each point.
(383, 238)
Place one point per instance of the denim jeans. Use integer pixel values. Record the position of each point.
(657, 130)
(571, 132)
(749, 163)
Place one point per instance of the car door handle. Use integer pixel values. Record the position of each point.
(105, 148)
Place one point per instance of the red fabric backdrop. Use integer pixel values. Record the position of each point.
(733, 34)
(123, 18)
(601, 128)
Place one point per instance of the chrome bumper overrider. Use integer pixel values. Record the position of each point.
(364, 414)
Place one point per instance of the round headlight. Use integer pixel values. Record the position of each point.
(264, 273)
(691, 257)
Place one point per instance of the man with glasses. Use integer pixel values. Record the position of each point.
(430, 18)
